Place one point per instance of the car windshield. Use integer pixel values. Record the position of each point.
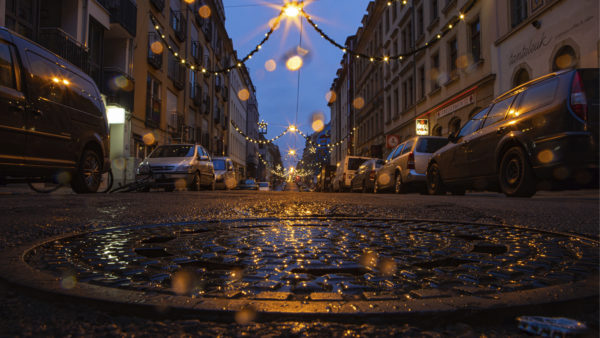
(249, 182)
(430, 145)
(219, 164)
(354, 163)
(173, 151)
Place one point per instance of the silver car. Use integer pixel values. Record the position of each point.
(224, 172)
(406, 165)
(177, 166)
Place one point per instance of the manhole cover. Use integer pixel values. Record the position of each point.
(322, 265)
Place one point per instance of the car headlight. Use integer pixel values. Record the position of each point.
(184, 167)
(143, 169)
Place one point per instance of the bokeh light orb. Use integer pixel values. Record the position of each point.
(149, 139)
(270, 65)
(331, 96)
(156, 47)
(189, 1)
(294, 63)
(317, 121)
(204, 12)
(243, 94)
(358, 102)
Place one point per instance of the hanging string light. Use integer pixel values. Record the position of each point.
(329, 146)
(258, 141)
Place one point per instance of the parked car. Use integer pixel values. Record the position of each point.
(406, 165)
(264, 186)
(345, 172)
(542, 134)
(247, 184)
(179, 166)
(224, 173)
(325, 177)
(53, 123)
(364, 180)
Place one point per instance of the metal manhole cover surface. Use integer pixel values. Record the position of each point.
(323, 265)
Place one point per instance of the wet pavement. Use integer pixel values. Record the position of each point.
(256, 255)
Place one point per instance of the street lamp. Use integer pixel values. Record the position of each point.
(292, 9)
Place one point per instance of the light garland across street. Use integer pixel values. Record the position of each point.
(258, 141)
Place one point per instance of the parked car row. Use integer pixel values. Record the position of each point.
(540, 135)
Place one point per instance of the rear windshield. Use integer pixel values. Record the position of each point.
(173, 151)
(354, 163)
(430, 145)
(219, 164)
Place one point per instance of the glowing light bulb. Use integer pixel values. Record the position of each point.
(291, 9)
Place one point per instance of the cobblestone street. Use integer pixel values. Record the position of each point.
(258, 262)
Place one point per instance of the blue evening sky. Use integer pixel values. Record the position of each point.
(247, 22)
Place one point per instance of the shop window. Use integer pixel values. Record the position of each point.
(518, 12)
(437, 130)
(565, 58)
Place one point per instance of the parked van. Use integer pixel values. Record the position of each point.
(346, 171)
(53, 124)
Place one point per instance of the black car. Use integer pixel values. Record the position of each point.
(540, 135)
(364, 180)
(53, 124)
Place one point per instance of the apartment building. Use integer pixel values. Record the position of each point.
(340, 105)
(238, 98)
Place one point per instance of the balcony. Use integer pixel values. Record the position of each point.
(154, 59)
(158, 4)
(123, 12)
(177, 22)
(61, 43)
(153, 113)
(118, 87)
(177, 74)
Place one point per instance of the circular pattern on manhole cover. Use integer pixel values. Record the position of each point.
(385, 263)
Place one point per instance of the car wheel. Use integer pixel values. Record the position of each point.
(434, 180)
(195, 186)
(87, 177)
(399, 187)
(515, 174)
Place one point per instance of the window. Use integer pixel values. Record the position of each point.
(518, 12)
(153, 102)
(521, 77)
(82, 94)
(388, 112)
(430, 145)
(437, 131)
(404, 95)
(421, 75)
(44, 73)
(420, 21)
(434, 10)
(564, 58)
(408, 146)
(435, 69)
(538, 96)
(454, 125)
(20, 16)
(396, 101)
(7, 72)
(453, 55)
(387, 19)
(498, 111)
(193, 90)
(473, 124)
(475, 40)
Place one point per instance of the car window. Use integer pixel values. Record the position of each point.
(379, 163)
(389, 157)
(173, 151)
(498, 111)
(82, 94)
(398, 150)
(354, 163)
(46, 78)
(537, 96)
(473, 124)
(219, 164)
(430, 145)
(7, 71)
(408, 146)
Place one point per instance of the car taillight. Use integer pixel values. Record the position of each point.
(411, 161)
(578, 99)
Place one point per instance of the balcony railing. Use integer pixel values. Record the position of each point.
(153, 113)
(177, 22)
(154, 59)
(118, 87)
(177, 73)
(61, 43)
(123, 12)
(158, 4)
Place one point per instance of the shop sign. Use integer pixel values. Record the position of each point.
(456, 106)
(422, 127)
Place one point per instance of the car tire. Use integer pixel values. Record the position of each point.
(88, 175)
(195, 185)
(399, 187)
(435, 186)
(515, 174)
